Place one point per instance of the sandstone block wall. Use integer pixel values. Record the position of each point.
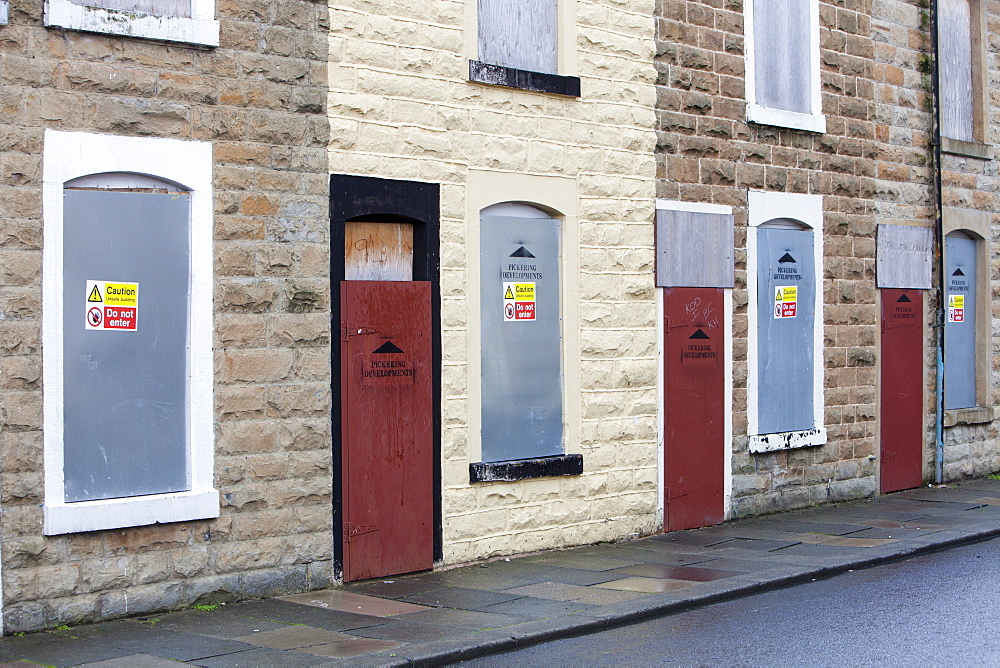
(401, 107)
(259, 99)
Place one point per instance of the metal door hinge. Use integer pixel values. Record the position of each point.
(346, 331)
(351, 530)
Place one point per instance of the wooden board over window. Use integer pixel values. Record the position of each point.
(378, 251)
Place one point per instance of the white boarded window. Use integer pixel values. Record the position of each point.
(520, 34)
(783, 79)
(187, 21)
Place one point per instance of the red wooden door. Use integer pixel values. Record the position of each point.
(387, 424)
(902, 390)
(694, 429)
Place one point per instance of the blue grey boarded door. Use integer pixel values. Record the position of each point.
(126, 406)
(960, 326)
(786, 313)
(521, 338)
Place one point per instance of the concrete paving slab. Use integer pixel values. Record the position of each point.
(130, 661)
(471, 619)
(214, 624)
(259, 656)
(293, 637)
(352, 648)
(404, 631)
(293, 613)
(692, 573)
(460, 597)
(538, 608)
(646, 585)
(393, 588)
(344, 601)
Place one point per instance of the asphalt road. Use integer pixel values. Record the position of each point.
(941, 609)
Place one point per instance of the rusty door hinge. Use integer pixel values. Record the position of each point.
(347, 331)
(351, 530)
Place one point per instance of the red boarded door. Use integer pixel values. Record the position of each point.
(387, 423)
(902, 390)
(694, 430)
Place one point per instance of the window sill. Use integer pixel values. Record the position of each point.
(969, 149)
(788, 440)
(65, 14)
(63, 518)
(785, 119)
(975, 415)
(541, 82)
(524, 469)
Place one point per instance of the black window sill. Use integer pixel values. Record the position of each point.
(541, 82)
(524, 469)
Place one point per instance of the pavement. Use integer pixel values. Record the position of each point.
(442, 617)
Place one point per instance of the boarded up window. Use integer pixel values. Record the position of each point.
(519, 33)
(782, 54)
(157, 7)
(521, 338)
(125, 368)
(956, 69)
(786, 321)
(960, 322)
(694, 249)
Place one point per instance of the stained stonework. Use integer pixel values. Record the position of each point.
(259, 99)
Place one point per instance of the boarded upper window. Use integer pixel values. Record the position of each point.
(519, 34)
(781, 43)
(783, 63)
(959, 43)
(187, 21)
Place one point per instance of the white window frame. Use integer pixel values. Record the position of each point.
(200, 28)
(70, 155)
(807, 210)
(814, 121)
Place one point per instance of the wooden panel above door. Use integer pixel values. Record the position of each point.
(378, 251)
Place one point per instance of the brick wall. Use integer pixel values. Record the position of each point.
(259, 98)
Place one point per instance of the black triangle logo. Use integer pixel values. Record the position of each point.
(959, 272)
(522, 252)
(700, 334)
(387, 347)
(904, 298)
(786, 258)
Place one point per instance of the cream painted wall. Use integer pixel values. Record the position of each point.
(401, 107)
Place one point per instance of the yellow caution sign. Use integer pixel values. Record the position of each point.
(524, 292)
(95, 295)
(509, 294)
(121, 294)
(786, 293)
(956, 301)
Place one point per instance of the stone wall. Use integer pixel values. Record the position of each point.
(707, 152)
(259, 99)
(401, 107)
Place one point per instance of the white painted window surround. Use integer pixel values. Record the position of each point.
(807, 210)
(697, 207)
(3, 12)
(72, 155)
(761, 54)
(198, 28)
